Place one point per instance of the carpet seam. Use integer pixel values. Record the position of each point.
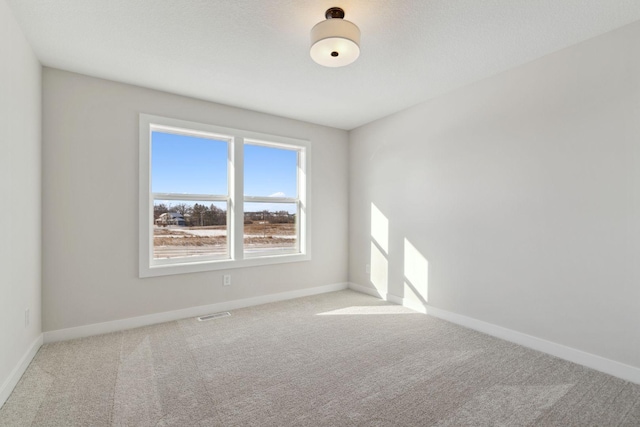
(43, 400)
(631, 408)
(582, 398)
(195, 363)
(115, 381)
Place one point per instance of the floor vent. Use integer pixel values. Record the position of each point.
(214, 316)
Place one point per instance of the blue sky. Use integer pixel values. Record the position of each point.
(186, 164)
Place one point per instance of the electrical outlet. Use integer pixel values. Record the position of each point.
(226, 280)
(367, 269)
(26, 317)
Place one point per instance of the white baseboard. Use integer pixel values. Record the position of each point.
(365, 290)
(394, 299)
(15, 375)
(599, 363)
(167, 316)
(608, 366)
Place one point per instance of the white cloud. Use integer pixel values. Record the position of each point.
(278, 194)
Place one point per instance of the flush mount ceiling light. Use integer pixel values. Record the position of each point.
(335, 42)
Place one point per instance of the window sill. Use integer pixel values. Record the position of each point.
(213, 265)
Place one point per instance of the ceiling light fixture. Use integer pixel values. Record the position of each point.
(335, 42)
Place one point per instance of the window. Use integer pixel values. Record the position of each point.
(217, 198)
(271, 203)
(190, 193)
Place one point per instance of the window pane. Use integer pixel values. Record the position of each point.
(270, 227)
(188, 164)
(270, 172)
(189, 229)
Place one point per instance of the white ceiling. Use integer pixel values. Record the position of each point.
(254, 54)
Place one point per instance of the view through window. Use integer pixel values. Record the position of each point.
(271, 199)
(193, 225)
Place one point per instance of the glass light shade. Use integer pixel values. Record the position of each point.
(335, 42)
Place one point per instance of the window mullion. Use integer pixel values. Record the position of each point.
(303, 211)
(236, 193)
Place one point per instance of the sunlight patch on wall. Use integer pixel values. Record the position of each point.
(379, 270)
(380, 228)
(416, 274)
(379, 264)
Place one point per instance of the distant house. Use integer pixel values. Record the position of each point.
(271, 217)
(170, 218)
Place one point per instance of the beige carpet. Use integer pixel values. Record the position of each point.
(339, 359)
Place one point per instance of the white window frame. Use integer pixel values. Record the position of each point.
(236, 138)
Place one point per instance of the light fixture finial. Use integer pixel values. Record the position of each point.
(334, 13)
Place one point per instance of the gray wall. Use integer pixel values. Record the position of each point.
(20, 76)
(90, 205)
(522, 194)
